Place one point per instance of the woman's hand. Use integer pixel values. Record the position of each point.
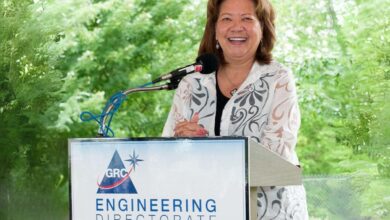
(190, 128)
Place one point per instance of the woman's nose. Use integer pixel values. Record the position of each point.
(237, 25)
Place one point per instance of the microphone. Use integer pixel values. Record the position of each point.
(205, 64)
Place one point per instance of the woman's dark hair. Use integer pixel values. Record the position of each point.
(266, 15)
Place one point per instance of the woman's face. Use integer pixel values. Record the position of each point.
(238, 30)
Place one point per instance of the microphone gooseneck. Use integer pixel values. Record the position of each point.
(205, 64)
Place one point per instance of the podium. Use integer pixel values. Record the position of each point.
(172, 178)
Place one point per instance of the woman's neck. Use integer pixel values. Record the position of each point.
(237, 71)
(232, 75)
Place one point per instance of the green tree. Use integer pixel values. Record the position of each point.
(339, 54)
(29, 91)
(63, 57)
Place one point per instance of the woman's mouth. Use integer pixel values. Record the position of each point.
(237, 40)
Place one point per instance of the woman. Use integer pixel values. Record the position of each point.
(249, 95)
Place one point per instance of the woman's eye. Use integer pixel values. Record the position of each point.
(247, 19)
(226, 19)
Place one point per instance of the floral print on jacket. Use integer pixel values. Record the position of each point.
(265, 108)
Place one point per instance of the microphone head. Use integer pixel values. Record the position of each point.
(209, 63)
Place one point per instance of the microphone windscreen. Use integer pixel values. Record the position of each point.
(209, 63)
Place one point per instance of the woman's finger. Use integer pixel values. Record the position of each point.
(191, 130)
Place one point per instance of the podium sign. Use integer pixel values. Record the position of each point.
(159, 179)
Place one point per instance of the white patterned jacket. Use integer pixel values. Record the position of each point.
(265, 107)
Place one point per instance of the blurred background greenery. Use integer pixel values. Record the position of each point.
(58, 58)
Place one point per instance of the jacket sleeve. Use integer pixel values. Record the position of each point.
(179, 109)
(281, 132)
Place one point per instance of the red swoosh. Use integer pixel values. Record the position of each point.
(116, 183)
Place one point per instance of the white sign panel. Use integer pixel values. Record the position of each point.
(160, 179)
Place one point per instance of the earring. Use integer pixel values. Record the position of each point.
(217, 45)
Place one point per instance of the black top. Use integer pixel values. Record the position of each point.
(221, 102)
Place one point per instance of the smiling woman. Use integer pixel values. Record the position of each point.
(250, 94)
(238, 31)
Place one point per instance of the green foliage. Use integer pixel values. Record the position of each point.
(29, 91)
(340, 56)
(342, 78)
(347, 197)
(122, 44)
(63, 57)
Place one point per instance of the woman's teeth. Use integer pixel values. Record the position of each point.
(237, 39)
